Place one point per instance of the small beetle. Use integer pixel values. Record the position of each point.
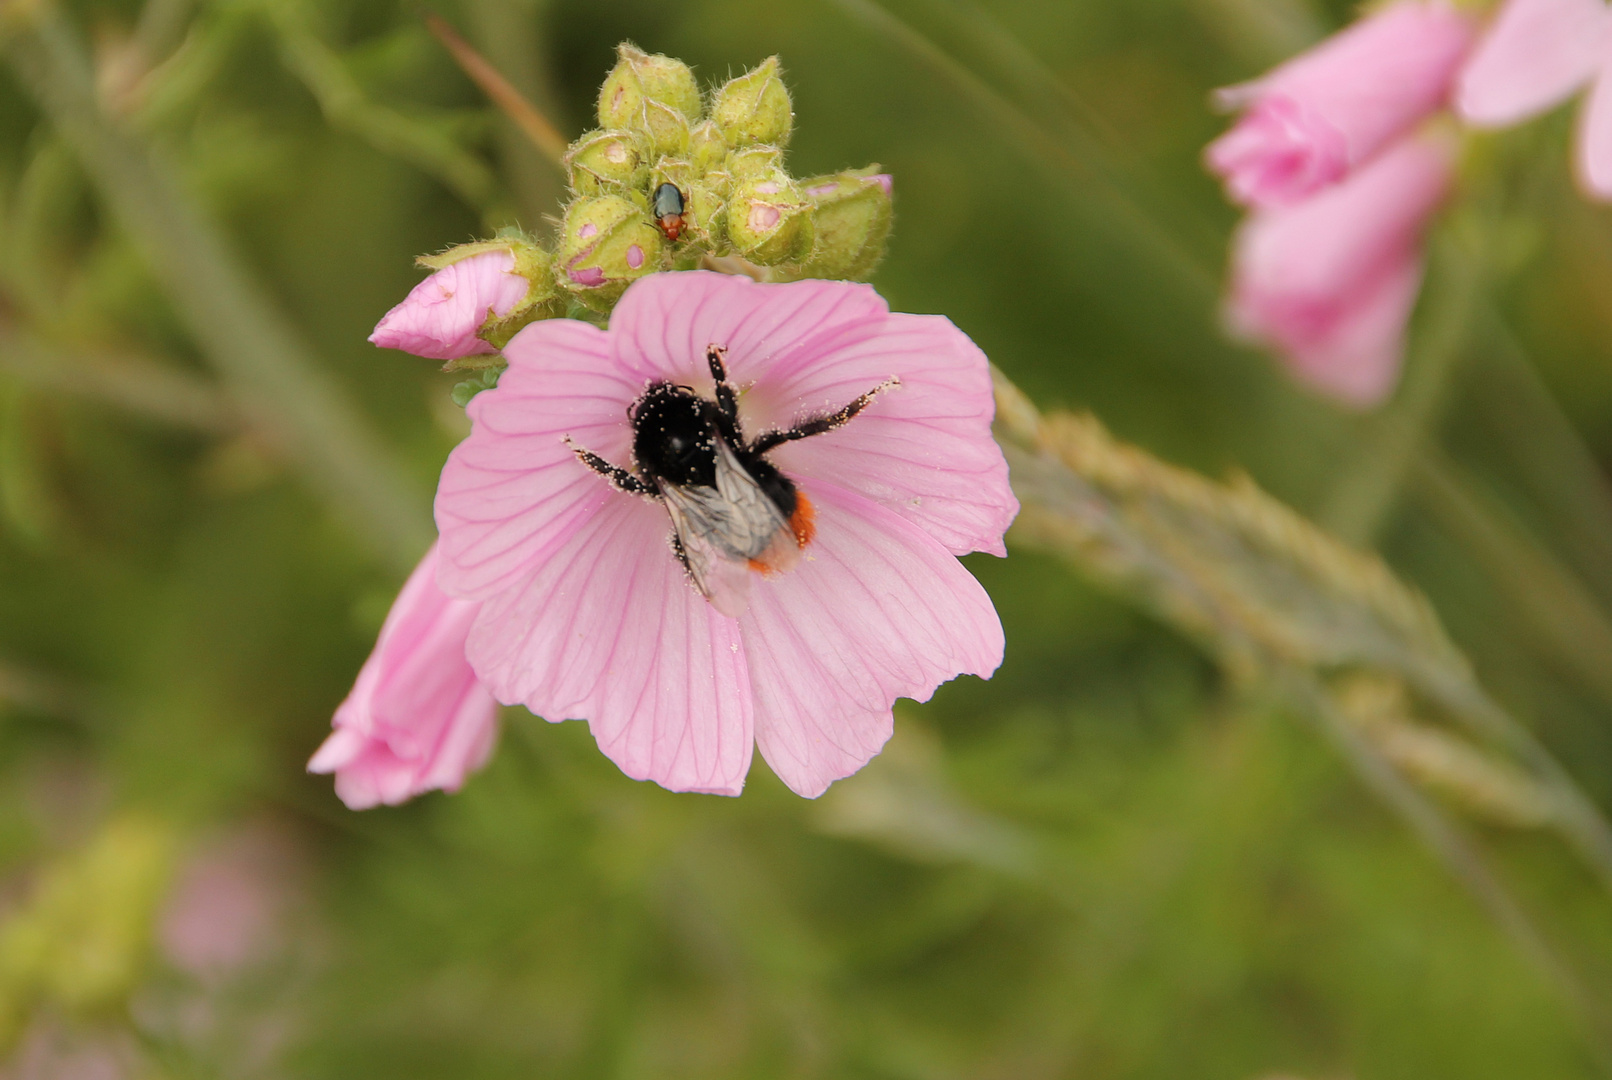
(668, 210)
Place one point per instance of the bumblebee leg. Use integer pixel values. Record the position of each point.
(817, 425)
(619, 478)
(727, 402)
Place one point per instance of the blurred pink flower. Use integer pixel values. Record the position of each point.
(1536, 54)
(587, 610)
(230, 903)
(417, 719)
(50, 1051)
(442, 314)
(1330, 284)
(1312, 120)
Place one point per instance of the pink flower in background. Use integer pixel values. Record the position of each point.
(53, 1050)
(1535, 56)
(1312, 120)
(1330, 283)
(230, 904)
(417, 718)
(441, 315)
(694, 566)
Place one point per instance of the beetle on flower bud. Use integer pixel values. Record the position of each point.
(667, 207)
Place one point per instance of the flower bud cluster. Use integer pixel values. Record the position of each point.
(672, 176)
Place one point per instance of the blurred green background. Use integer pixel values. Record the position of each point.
(1109, 861)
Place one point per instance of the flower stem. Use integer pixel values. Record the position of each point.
(1363, 499)
(512, 75)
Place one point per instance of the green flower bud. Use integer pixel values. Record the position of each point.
(706, 212)
(604, 163)
(769, 221)
(542, 299)
(851, 214)
(671, 170)
(754, 162)
(755, 107)
(663, 129)
(607, 243)
(654, 96)
(639, 76)
(706, 147)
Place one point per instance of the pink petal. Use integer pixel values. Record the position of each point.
(924, 448)
(1333, 108)
(606, 626)
(1594, 154)
(878, 610)
(442, 315)
(1279, 152)
(1359, 360)
(1330, 283)
(514, 491)
(1535, 55)
(417, 718)
(1325, 247)
(661, 327)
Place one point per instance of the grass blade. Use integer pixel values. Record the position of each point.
(265, 364)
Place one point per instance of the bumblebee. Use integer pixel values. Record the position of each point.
(733, 512)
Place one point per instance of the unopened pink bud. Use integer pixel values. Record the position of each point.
(1314, 119)
(1330, 284)
(442, 315)
(417, 719)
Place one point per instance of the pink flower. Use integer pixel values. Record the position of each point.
(417, 718)
(1330, 283)
(1535, 56)
(1328, 111)
(606, 490)
(442, 315)
(229, 906)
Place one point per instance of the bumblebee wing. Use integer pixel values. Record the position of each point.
(722, 528)
(721, 578)
(752, 521)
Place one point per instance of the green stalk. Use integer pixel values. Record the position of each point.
(1362, 500)
(1560, 472)
(1544, 592)
(1103, 196)
(134, 384)
(276, 378)
(511, 36)
(1451, 847)
(347, 107)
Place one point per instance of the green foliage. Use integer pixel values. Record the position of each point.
(1128, 855)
